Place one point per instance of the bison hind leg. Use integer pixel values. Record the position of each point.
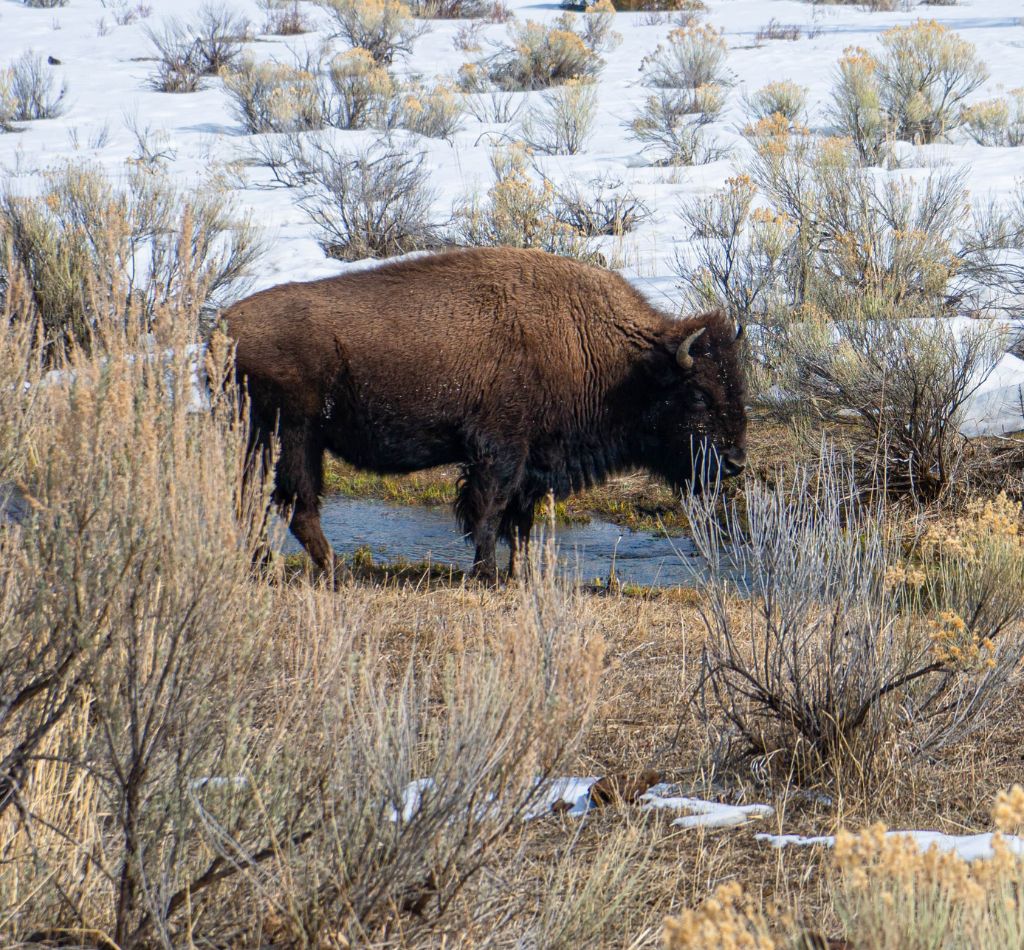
(298, 483)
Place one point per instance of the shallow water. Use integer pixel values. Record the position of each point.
(416, 533)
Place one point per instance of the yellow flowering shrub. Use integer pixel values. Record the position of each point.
(912, 90)
(384, 28)
(274, 97)
(363, 87)
(434, 111)
(891, 893)
(997, 121)
(536, 56)
(728, 920)
(518, 212)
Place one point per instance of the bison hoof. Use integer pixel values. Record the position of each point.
(483, 574)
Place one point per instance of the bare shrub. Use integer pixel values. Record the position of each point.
(284, 17)
(519, 213)
(450, 9)
(46, 4)
(371, 203)
(672, 126)
(774, 30)
(562, 124)
(469, 37)
(125, 13)
(85, 235)
(27, 91)
(535, 56)
(152, 146)
(384, 28)
(597, 32)
(832, 671)
(783, 98)
(275, 97)
(434, 111)
(181, 62)
(997, 121)
(290, 157)
(219, 32)
(600, 206)
(693, 57)
(364, 91)
(487, 104)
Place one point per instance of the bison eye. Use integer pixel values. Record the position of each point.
(698, 398)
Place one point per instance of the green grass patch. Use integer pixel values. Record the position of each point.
(633, 501)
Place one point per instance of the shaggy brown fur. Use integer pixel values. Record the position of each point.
(534, 372)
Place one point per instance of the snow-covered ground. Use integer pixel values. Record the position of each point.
(107, 69)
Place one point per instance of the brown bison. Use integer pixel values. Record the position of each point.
(534, 373)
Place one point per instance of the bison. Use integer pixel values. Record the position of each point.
(532, 372)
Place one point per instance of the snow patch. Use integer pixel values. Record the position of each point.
(704, 814)
(968, 847)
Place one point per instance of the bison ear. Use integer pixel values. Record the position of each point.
(683, 357)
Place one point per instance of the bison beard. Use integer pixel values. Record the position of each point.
(533, 372)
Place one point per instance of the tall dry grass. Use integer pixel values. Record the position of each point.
(191, 750)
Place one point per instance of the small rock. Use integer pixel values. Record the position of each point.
(53, 61)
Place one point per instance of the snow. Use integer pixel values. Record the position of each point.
(704, 814)
(412, 799)
(198, 384)
(570, 796)
(107, 71)
(997, 406)
(574, 792)
(968, 847)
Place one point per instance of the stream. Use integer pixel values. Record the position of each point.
(418, 533)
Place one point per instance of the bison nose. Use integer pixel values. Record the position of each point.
(733, 462)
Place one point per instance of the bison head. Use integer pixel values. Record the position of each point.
(698, 426)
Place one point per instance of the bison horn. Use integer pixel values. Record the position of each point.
(739, 331)
(683, 353)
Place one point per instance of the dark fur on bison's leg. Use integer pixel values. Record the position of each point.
(516, 524)
(298, 482)
(481, 505)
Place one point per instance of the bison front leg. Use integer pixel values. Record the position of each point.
(298, 482)
(481, 505)
(517, 525)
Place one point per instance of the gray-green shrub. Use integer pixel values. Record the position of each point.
(535, 56)
(912, 90)
(672, 123)
(690, 58)
(374, 202)
(85, 234)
